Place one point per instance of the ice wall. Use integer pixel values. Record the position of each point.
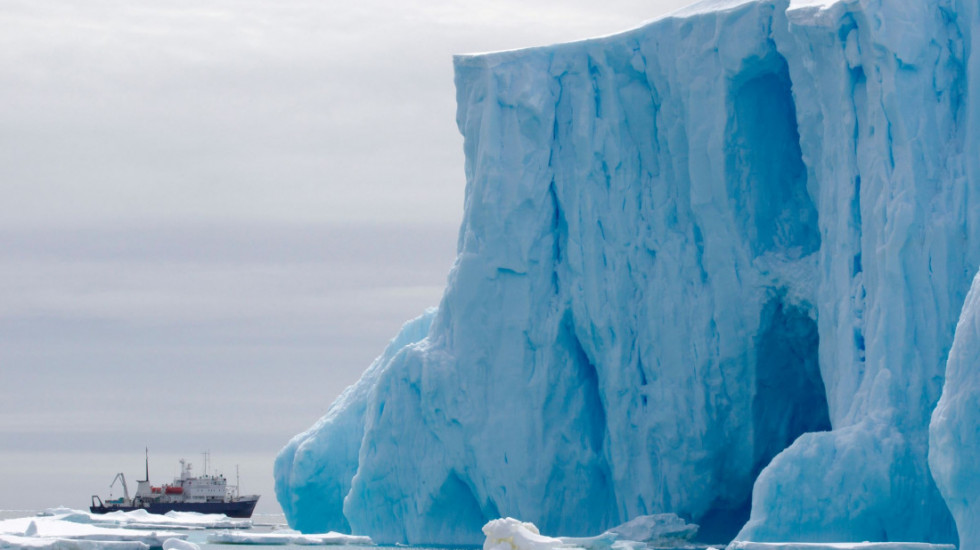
(313, 472)
(688, 251)
(954, 444)
(954, 452)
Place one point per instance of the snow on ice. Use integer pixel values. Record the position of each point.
(55, 533)
(177, 544)
(141, 519)
(657, 531)
(711, 266)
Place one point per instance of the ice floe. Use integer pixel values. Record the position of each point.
(658, 530)
(54, 533)
(141, 519)
(177, 544)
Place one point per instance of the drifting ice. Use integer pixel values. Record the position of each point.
(141, 519)
(658, 531)
(55, 533)
(711, 266)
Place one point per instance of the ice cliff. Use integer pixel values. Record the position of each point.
(710, 266)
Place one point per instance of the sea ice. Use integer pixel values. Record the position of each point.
(657, 531)
(177, 544)
(53, 532)
(141, 519)
(14, 542)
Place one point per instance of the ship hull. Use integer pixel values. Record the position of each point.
(236, 509)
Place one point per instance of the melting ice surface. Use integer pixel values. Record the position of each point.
(711, 266)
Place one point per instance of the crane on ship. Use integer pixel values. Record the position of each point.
(121, 478)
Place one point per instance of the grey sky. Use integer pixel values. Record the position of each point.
(215, 214)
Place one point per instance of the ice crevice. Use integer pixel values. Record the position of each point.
(711, 266)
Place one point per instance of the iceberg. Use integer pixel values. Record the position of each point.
(711, 266)
(954, 434)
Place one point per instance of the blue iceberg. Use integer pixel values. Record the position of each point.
(710, 266)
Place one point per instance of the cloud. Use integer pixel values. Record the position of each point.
(228, 206)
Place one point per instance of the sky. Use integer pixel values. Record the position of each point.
(216, 213)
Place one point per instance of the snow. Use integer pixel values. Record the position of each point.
(48, 543)
(277, 539)
(177, 544)
(512, 534)
(711, 266)
(56, 533)
(658, 531)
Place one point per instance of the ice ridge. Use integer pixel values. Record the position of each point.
(711, 266)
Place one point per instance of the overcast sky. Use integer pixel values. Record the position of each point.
(216, 213)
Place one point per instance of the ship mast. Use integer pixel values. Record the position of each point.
(147, 450)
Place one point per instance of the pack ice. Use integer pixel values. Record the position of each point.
(711, 266)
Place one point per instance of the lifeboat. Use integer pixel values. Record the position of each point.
(174, 490)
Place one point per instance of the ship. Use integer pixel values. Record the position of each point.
(206, 494)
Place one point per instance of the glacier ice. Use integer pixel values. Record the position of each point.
(710, 266)
(954, 449)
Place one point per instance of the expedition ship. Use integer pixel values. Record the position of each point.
(207, 494)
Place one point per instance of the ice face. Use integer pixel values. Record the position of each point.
(311, 488)
(954, 446)
(711, 266)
